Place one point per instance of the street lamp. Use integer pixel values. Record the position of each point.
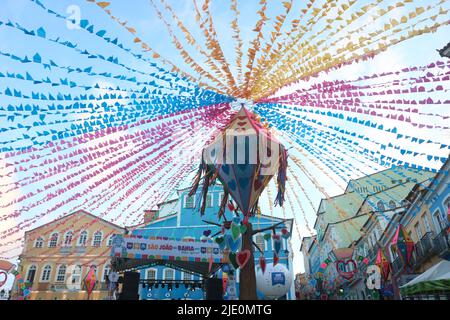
(445, 51)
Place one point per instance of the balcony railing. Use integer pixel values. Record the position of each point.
(398, 265)
(442, 243)
(423, 249)
(72, 250)
(62, 286)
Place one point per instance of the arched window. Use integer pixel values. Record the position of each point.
(221, 195)
(151, 274)
(46, 272)
(447, 203)
(110, 240)
(61, 273)
(39, 242)
(106, 271)
(97, 239)
(260, 242)
(68, 238)
(187, 276)
(209, 200)
(189, 202)
(82, 240)
(76, 274)
(380, 206)
(169, 274)
(53, 240)
(392, 204)
(31, 273)
(438, 221)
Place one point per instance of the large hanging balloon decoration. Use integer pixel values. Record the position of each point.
(243, 157)
(275, 282)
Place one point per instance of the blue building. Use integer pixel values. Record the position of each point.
(179, 218)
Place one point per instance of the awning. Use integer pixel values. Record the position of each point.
(435, 279)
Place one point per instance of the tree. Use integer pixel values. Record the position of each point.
(247, 275)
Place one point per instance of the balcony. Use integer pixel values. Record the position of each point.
(398, 266)
(68, 287)
(427, 247)
(442, 244)
(67, 250)
(61, 286)
(424, 249)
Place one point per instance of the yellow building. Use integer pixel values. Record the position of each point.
(58, 255)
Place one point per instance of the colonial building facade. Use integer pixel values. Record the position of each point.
(180, 219)
(356, 219)
(58, 255)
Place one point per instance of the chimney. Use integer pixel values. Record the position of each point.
(150, 215)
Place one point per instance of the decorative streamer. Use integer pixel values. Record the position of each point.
(213, 44)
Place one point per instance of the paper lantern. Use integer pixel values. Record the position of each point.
(403, 244)
(90, 280)
(383, 263)
(244, 157)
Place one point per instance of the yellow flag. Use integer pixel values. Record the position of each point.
(103, 4)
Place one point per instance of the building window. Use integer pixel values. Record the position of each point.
(45, 276)
(260, 242)
(209, 202)
(380, 206)
(106, 272)
(68, 238)
(392, 204)
(31, 273)
(187, 276)
(97, 239)
(169, 274)
(438, 221)
(61, 273)
(418, 231)
(189, 202)
(83, 238)
(404, 203)
(151, 274)
(110, 240)
(426, 222)
(76, 274)
(39, 242)
(53, 240)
